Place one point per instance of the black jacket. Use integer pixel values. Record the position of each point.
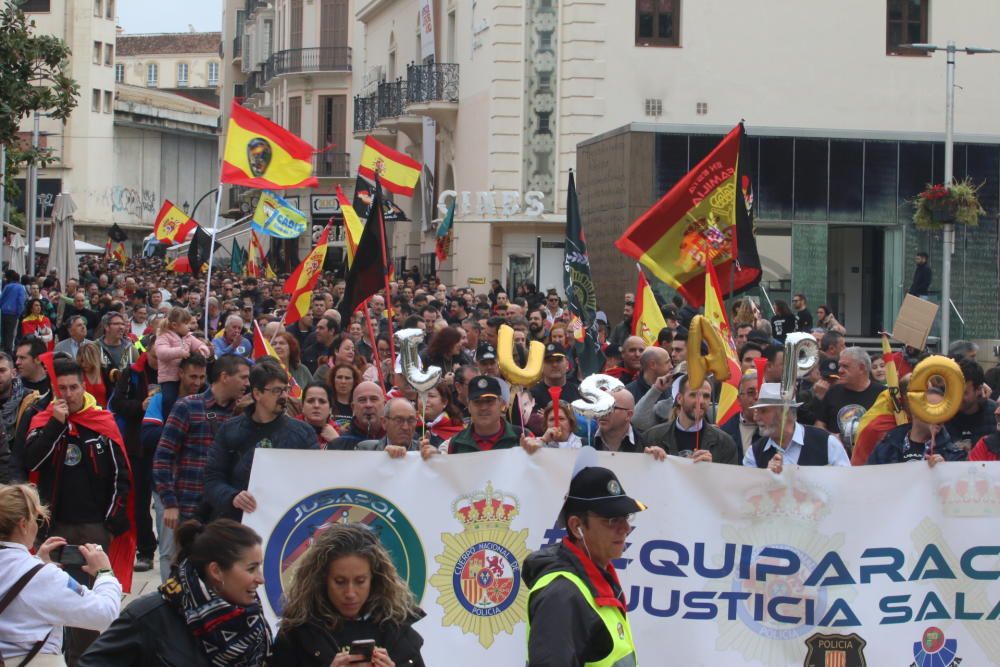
(921, 284)
(892, 448)
(314, 645)
(565, 629)
(148, 633)
(231, 457)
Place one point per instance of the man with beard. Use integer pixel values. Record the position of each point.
(325, 334)
(742, 427)
(795, 443)
(265, 426)
(975, 418)
(624, 328)
(536, 326)
(366, 404)
(689, 435)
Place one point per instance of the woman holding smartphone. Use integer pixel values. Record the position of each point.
(45, 598)
(346, 603)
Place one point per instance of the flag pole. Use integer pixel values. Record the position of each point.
(377, 200)
(375, 355)
(211, 257)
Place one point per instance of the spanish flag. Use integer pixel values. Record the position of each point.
(260, 154)
(262, 348)
(257, 265)
(302, 282)
(352, 225)
(715, 312)
(119, 254)
(705, 217)
(172, 224)
(647, 318)
(398, 172)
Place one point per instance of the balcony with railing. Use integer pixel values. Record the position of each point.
(432, 90)
(332, 165)
(393, 110)
(365, 113)
(311, 60)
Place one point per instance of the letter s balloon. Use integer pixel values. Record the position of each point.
(597, 401)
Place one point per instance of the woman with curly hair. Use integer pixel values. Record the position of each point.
(346, 589)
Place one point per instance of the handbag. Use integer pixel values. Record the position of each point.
(12, 593)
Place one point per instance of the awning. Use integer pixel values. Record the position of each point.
(223, 236)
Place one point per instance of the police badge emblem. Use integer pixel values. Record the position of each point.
(835, 651)
(479, 579)
(259, 156)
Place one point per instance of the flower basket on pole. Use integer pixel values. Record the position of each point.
(939, 205)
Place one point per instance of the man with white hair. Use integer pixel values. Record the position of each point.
(232, 340)
(783, 440)
(855, 387)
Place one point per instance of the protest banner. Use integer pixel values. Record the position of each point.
(877, 565)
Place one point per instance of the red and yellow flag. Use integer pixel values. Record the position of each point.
(352, 225)
(715, 312)
(260, 154)
(647, 319)
(172, 224)
(705, 217)
(262, 348)
(302, 282)
(398, 172)
(884, 415)
(119, 254)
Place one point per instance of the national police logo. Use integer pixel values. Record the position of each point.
(479, 580)
(934, 650)
(303, 521)
(835, 651)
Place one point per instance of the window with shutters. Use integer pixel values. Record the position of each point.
(334, 20)
(657, 22)
(295, 25)
(119, 73)
(295, 115)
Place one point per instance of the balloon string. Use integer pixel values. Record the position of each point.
(932, 444)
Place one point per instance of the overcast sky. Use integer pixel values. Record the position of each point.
(136, 16)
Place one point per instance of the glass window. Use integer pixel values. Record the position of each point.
(109, 55)
(108, 101)
(984, 167)
(111, 10)
(811, 173)
(182, 75)
(846, 174)
(774, 199)
(915, 172)
(671, 156)
(906, 23)
(119, 73)
(95, 100)
(213, 73)
(152, 73)
(98, 49)
(98, 8)
(657, 22)
(36, 6)
(881, 180)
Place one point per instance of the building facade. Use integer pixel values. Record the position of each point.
(846, 126)
(170, 61)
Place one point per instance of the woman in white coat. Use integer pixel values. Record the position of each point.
(36, 597)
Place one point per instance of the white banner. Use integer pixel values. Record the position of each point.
(878, 566)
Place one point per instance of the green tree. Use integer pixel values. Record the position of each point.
(33, 77)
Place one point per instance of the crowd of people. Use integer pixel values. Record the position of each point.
(131, 387)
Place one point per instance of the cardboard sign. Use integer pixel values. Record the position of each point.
(914, 321)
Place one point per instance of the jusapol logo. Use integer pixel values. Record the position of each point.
(934, 650)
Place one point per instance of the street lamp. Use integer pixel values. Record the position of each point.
(948, 239)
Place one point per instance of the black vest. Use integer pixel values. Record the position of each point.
(814, 449)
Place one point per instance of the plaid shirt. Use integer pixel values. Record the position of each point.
(181, 455)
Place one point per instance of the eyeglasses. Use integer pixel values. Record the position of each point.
(403, 421)
(617, 522)
(277, 391)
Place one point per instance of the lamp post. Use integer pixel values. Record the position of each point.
(948, 238)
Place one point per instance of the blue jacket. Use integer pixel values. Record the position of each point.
(893, 446)
(12, 299)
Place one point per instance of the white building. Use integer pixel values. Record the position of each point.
(168, 61)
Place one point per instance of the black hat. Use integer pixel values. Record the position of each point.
(484, 386)
(486, 352)
(554, 350)
(669, 313)
(598, 490)
(829, 368)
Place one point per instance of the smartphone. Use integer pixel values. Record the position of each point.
(363, 647)
(69, 554)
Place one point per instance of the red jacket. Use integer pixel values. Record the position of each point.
(984, 452)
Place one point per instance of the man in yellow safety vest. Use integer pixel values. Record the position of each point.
(576, 606)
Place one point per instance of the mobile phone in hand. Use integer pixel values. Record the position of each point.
(363, 647)
(69, 554)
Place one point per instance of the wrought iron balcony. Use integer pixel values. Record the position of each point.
(437, 82)
(317, 59)
(391, 98)
(365, 113)
(332, 165)
(254, 83)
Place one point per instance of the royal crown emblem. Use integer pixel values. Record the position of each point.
(479, 580)
(976, 493)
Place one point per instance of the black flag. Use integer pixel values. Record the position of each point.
(581, 298)
(363, 201)
(198, 250)
(368, 272)
(117, 234)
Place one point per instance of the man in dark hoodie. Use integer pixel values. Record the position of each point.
(576, 606)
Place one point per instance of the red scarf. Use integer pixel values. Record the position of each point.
(92, 417)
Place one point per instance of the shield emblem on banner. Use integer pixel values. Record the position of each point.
(835, 651)
(259, 156)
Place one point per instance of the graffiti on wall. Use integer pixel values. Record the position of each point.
(130, 201)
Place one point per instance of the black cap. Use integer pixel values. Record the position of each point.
(485, 352)
(829, 368)
(669, 313)
(598, 490)
(554, 350)
(484, 386)
(758, 336)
